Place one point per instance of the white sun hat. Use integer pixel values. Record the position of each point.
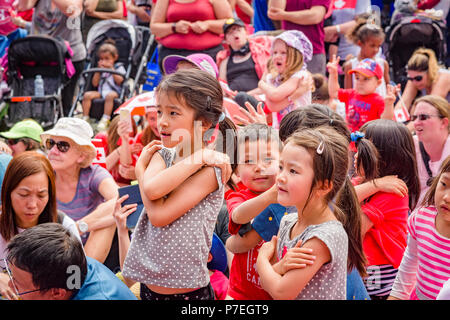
(76, 129)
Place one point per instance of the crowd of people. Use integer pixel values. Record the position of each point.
(276, 159)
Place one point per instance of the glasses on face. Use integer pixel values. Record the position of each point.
(423, 117)
(12, 142)
(9, 272)
(63, 146)
(416, 78)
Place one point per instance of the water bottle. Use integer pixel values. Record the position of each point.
(39, 86)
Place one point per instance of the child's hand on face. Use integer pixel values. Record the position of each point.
(333, 65)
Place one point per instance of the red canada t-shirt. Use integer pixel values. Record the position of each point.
(244, 281)
(360, 109)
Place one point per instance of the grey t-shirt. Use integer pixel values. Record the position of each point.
(175, 256)
(56, 24)
(330, 282)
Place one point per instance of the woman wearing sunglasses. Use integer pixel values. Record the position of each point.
(28, 199)
(24, 136)
(430, 116)
(86, 192)
(425, 76)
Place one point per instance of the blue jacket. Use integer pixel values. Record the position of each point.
(102, 284)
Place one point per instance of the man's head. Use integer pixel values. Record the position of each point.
(47, 262)
(368, 76)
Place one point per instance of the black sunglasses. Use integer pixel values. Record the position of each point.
(63, 146)
(423, 117)
(416, 78)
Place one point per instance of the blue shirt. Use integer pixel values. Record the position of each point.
(102, 284)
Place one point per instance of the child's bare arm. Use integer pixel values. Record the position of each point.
(241, 244)
(96, 79)
(249, 209)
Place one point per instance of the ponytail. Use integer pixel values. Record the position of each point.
(348, 212)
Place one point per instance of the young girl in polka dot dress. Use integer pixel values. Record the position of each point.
(182, 187)
(313, 171)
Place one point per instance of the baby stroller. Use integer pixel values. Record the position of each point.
(132, 49)
(408, 34)
(27, 58)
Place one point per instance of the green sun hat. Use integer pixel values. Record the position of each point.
(24, 129)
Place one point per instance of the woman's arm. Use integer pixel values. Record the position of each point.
(70, 8)
(241, 244)
(312, 16)
(289, 285)
(442, 85)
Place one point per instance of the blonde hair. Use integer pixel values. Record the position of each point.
(439, 103)
(88, 152)
(294, 63)
(424, 59)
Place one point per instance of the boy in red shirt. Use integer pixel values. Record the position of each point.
(362, 104)
(259, 148)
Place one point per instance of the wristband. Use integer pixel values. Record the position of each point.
(338, 29)
(174, 27)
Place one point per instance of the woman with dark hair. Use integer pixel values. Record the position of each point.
(28, 199)
(385, 148)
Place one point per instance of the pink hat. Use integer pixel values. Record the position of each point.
(202, 61)
(368, 68)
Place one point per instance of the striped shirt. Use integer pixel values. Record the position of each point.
(426, 263)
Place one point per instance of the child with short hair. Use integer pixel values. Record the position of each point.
(369, 37)
(258, 153)
(362, 104)
(108, 84)
(425, 266)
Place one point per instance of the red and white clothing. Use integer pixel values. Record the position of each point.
(426, 263)
(360, 109)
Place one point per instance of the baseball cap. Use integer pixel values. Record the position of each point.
(231, 22)
(201, 60)
(368, 68)
(24, 129)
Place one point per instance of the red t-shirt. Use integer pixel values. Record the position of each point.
(385, 242)
(199, 10)
(244, 281)
(360, 109)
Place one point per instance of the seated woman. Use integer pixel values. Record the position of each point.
(24, 136)
(28, 199)
(425, 76)
(86, 192)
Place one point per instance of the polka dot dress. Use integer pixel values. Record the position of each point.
(175, 256)
(329, 283)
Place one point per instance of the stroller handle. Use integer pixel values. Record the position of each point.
(94, 70)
